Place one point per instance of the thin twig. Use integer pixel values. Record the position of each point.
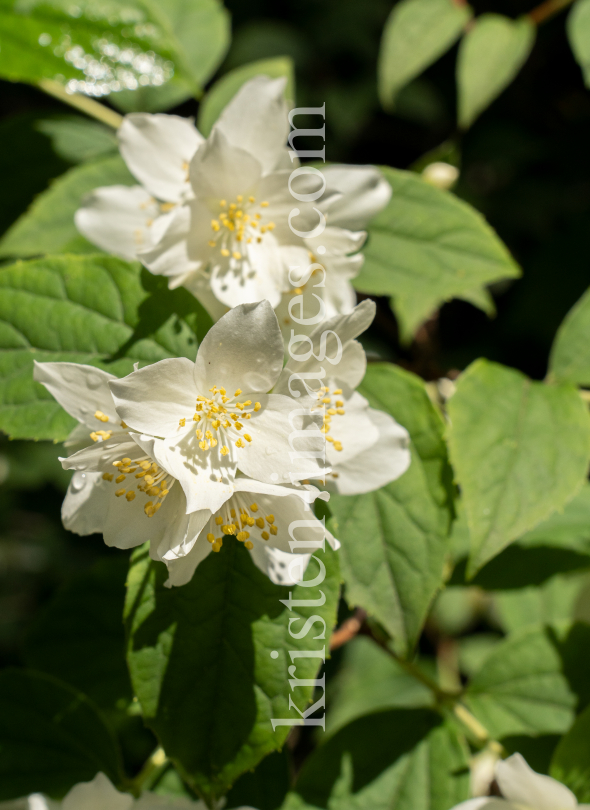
(546, 10)
(348, 629)
(86, 105)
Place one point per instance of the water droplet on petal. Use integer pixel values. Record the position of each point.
(93, 380)
(79, 481)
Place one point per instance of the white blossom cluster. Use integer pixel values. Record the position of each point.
(184, 454)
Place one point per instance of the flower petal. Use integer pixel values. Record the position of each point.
(185, 533)
(158, 149)
(167, 254)
(288, 511)
(259, 274)
(286, 443)
(379, 464)
(220, 170)
(99, 456)
(206, 477)
(117, 219)
(243, 350)
(485, 803)
(523, 786)
(354, 429)
(84, 508)
(365, 192)
(323, 339)
(97, 795)
(280, 567)
(308, 494)
(127, 525)
(256, 120)
(82, 391)
(181, 569)
(154, 399)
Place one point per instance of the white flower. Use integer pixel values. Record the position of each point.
(100, 794)
(215, 417)
(213, 215)
(523, 789)
(120, 481)
(366, 448)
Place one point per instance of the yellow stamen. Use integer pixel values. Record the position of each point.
(130, 496)
(120, 492)
(107, 477)
(102, 417)
(265, 535)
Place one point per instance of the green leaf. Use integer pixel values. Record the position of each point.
(199, 33)
(265, 788)
(226, 88)
(578, 31)
(531, 682)
(176, 45)
(416, 34)
(396, 570)
(406, 759)
(38, 38)
(520, 450)
(490, 57)
(48, 225)
(370, 680)
(427, 247)
(571, 760)
(78, 139)
(96, 310)
(550, 603)
(51, 737)
(568, 529)
(83, 623)
(201, 665)
(570, 353)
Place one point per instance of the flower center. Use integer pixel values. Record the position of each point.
(154, 482)
(238, 224)
(219, 418)
(331, 409)
(235, 518)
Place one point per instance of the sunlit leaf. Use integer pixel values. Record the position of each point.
(96, 310)
(396, 568)
(416, 34)
(427, 247)
(490, 56)
(201, 659)
(520, 450)
(570, 354)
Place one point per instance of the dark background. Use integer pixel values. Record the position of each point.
(525, 165)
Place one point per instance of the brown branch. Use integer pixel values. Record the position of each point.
(348, 629)
(546, 10)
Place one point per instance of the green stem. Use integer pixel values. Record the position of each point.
(151, 766)
(82, 103)
(445, 699)
(546, 10)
